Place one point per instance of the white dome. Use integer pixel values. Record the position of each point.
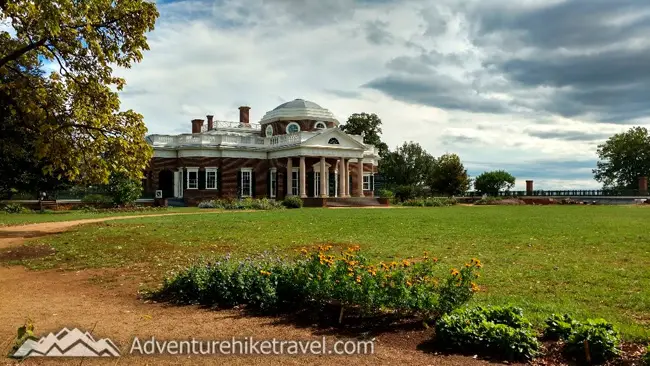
(299, 109)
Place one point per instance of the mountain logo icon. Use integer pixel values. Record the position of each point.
(67, 343)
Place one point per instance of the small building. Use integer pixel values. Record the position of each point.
(296, 149)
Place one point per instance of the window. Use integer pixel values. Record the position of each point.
(320, 125)
(333, 141)
(246, 182)
(192, 178)
(295, 181)
(367, 182)
(293, 127)
(269, 131)
(273, 184)
(210, 178)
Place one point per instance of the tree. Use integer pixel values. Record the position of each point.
(408, 165)
(448, 176)
(369, 126)
(624, 158)
(494, 181)
(123, 190)
(69, 120)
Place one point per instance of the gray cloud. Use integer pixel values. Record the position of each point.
(377, 34)
(569, 135)
(538, 169)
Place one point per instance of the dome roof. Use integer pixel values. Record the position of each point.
(299, 109)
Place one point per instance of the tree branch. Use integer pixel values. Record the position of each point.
(21, 51)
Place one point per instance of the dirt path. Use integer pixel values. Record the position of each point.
(105, 302)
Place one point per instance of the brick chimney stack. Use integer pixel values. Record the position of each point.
(529, 188)
(197, 125)
(643, 186)
(210, 122)
(244, 115)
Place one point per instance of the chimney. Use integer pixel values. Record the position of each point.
(529, 188)
(643, 186)
(243, 115)
(197, 125)
(210, 122)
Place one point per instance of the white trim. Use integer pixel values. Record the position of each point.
(187, 177)
(370, 181)
(250, 182)
(266, 131)
(295, 186)
(273, 182)
(292, 124)
(216, 183)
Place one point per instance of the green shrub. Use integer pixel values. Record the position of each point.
(559, 326)
(14, 208)
(99, 200)
(123, 190)
(430, 202)
(292, 202)
(274, 284)
(645, 359)
(385, 193)
(603, 341)
(403, 193)
(243, 204)
(493, 331)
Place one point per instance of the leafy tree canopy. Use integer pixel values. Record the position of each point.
(448, 176)
(69, 121)
(370, 126)
(624, 158)
(494, 181)
(408, 165)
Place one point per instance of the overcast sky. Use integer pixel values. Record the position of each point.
(531, 86)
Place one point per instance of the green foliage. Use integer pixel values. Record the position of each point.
(123, 190)
(370, 126)
(559, 326)
(23, 333)
(601, 337)
(404, 193)
(494, 181)
(70, 119)
(98, 200)
(277, 284)
(408, 165)
(386, 193)
(624, 158)
(14, 208)
(242, 204)
(430, 202)
(493, 331)
(292, 202)
(448, 176)
(645, 358)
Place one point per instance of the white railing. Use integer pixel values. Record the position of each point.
(289, 139)
(217, 125)
(215, 140)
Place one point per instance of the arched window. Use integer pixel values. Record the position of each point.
(293, 127)
(320, 125)
(333, 141)
(269, 131)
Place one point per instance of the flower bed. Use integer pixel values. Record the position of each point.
(322, 277)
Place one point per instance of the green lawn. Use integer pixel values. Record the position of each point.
(588, 260)
(7, 219)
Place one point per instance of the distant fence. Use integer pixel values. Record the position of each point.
(566, 193)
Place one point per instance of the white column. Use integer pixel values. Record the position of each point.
(289, 177)
(360, 176)
(347, 179)
(323, 178)
(303, 178)
(342, 177)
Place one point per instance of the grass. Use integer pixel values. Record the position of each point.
(591, 261)
(7, 219)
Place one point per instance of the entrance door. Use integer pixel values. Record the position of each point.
(166, 183)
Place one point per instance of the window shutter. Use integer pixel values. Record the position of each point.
(310, 184)
(219, 180)
(184, 172)
(332, 184)
(201, 177)
(239, 184)
(253, 185)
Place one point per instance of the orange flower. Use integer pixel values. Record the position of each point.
(406, 263)
(454, 272)
(409, 284)
(475, 287)
(265, 273)
(358, 279)
(354, 248)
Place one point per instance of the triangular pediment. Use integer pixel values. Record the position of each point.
(328, 136)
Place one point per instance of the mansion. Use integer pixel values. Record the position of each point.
(297, 149)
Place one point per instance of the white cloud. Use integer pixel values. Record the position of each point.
(209, 57)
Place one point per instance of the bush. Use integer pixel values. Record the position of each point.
(292, 202)
(645, 359)
(243, 204)
(385, 193)
(274, 284)
(99, 200)
(14, 208)
(494, 331)
(123, 190)
(559, 326)
(430, 202)
(603, 341)
(403, 193)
